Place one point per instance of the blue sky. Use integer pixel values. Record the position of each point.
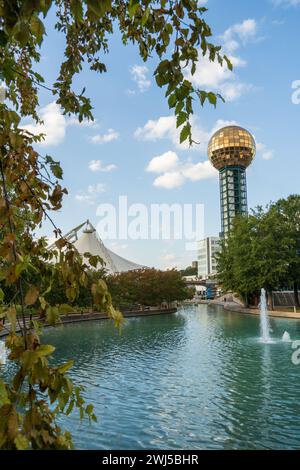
(114, 156)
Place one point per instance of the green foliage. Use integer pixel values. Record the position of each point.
(189, 271)
(287, 212)
(174, 32)
(30, 185)
(262, 250)
(147, 287)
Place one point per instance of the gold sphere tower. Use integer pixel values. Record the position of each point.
(231, 150)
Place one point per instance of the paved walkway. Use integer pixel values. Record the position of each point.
(235, 307)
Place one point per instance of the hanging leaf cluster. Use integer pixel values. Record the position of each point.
(31, 188)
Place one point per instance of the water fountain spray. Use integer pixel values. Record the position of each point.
(264, 318)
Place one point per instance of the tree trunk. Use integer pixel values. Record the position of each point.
(296, 296)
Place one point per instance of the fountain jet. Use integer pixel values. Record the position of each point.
(264, 319)
(286, 337)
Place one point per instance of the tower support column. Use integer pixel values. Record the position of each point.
(233, 195)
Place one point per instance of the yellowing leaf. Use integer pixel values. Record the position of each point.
(65, 367)
(45, 350)
(61, 243)
(4, 400)
(11, 315)
(71, 294)
(43, 303)
(12, 424)
(89, 409)
(64, 309)
(52, 315)
(21, 442)
(31, 295)
(37, 27)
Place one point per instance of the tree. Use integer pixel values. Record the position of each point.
(287, 213)
(236, 260)
(147, 287)
(173, 31)
(175, 287)
(262, 250)
(190, 271)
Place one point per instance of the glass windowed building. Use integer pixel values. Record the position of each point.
(231, 150)
(207, 263)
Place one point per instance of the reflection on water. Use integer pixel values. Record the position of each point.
(198, 379)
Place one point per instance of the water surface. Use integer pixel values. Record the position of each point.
(197, 379)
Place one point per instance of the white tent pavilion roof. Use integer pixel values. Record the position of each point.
(89, 241)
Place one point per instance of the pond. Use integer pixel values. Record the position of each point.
(197, 379)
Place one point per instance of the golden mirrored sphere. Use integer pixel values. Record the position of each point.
(231, 146)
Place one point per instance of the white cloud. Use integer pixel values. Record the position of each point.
(90, 196)
(169, 180)
(165, 128)
(232, 91)
(213, 76)
(278, 22)
(265, 152)
(209, 74)
(169, 163)
(139, 76)
(96, 189)
(86, 198)
(97, 165)
(154, 130)
(109, 136)
(268, 155)
(176, 260)
(73, 121)
(170, 261)
(199, 171)
(163, 163)
(293, 3)
(54, 125)
(244, 32)
(176, 173)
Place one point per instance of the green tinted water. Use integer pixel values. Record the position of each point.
(198, 379)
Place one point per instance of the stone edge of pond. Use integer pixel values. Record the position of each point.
(78, 317)
(234, 307)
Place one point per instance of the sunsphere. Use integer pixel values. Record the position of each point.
(231, 150)
(231, 146)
